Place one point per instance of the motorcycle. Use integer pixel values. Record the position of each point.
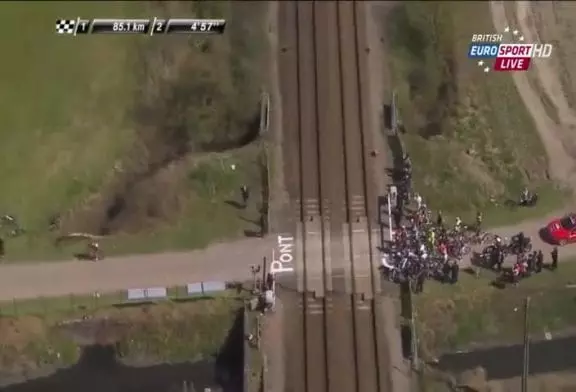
(515, 247)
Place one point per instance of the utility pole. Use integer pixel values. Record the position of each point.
(526, 359)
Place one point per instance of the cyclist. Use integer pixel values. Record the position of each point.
(458, 224)
(431, 239)
(94, 249)
(443, 250)
(525, 196)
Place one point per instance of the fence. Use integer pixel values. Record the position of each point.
(82, 303)
(408, 325)
(254, 360)
(265, 165)
(247, 350)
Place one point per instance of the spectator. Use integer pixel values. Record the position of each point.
(515, 274)
(245, 194)
(554, 255)
(440, 219)
(454, 272)
(420, 282)
(539, 261)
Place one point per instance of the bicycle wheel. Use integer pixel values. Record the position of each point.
(488, 237)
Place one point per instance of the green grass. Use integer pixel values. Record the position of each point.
(71, 115)
(59, 307)
(206, 185)
(74, 305)
(207, 215)
(475, 314)
(62, 107)
(174, 330)
(499, 214)
(190, 332)
(469, 134)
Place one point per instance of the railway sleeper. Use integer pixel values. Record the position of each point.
(315, 304)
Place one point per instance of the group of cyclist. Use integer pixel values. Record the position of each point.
(424, 248)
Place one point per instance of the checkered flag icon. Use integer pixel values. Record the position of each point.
(65, 26)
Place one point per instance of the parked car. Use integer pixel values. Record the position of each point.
(562, 231)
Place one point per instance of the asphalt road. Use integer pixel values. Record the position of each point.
(227, 261)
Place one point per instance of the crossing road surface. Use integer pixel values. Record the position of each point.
(227, 261)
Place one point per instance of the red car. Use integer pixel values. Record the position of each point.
(563, 231)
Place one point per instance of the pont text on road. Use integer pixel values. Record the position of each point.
(285, 260)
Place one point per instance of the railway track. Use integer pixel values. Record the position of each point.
(336, 343)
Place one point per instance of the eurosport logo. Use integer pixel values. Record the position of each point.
(506, 56)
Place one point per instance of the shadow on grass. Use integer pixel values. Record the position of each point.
(235, 204)
(135, 304)
(255, 222)
(193, 299)
(83, 256)
(100, 368)
(230, 359)
(252, 233)
(406, 341)
(406, 309)
(387, 111)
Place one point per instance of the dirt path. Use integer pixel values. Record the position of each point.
(557, 135)
(546, 72)
(227, 261)
(558, 138)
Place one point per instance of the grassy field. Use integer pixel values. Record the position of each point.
(474, 313)
(181, 329)
(126, 135)
(63, 107)
(470, 137)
